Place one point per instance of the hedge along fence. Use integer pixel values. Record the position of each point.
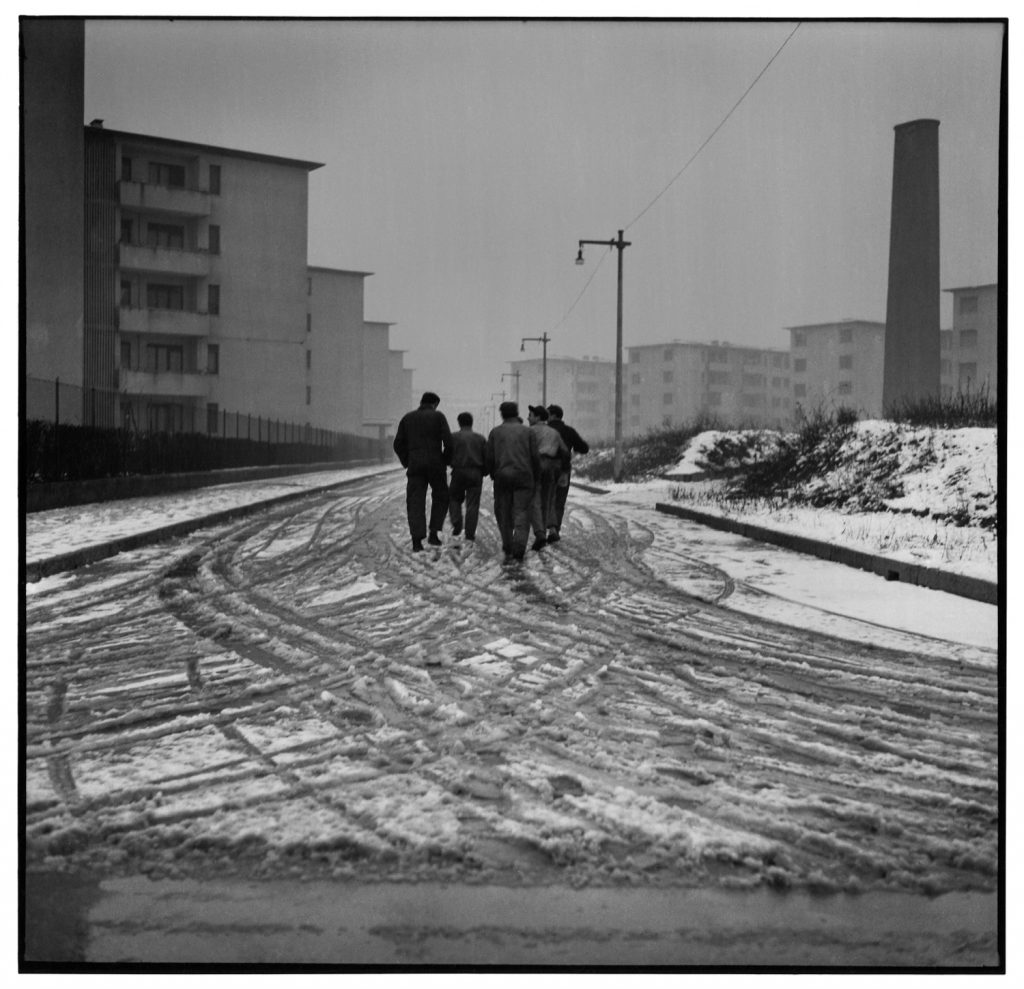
(66, 452)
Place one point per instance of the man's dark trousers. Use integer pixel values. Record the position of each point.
(466, 485)
(512, 513)
(417, 482)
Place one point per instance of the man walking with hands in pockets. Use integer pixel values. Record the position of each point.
(423, 442)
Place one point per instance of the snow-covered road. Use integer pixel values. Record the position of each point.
(298, 694)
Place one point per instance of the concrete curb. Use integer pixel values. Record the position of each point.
(908, 573)
(65, 494)
(100, 551)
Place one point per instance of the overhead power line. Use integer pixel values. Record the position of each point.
(707, 140)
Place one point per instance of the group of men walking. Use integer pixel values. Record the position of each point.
(530, 466)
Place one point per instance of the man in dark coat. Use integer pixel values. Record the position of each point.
(512, 460)
(468, 451)
(576, 444)
(423, 443)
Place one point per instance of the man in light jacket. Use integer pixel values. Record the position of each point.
(552, 452)
(512, 461)
(576, 444)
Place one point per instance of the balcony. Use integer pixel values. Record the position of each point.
(168, 322)
(165, 384)
(165, 260)
(171, 200)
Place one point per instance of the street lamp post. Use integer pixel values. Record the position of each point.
(513, 374)
(621, 245)
(544, 365)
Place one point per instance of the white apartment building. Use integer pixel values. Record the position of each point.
(969, 352)
(838, 365)
(583, 387)
(668, 384)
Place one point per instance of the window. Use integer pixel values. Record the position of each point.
(846, 362)
(845, 388)
(799, 338)
(309, 359)
(309, 322)
(214, 239)
(161, 173)
(800, 391)
(635, 380)
(168, 235)
(165, 296)
(126, 169)
(127, 228)
(666, 377)
(752, 401)
(668, 355)
(968, 338)
(309, 395)
(778, 360)
(968, 375)
(126, 354)
(719, 378)
(166, 418)
(846, 334)
(752, 358)
(213, 300)
(309, 286)
(717, 356)
(162, 357)
(776, 401)
(968, 304)
(753, 381)
(776, 382)
(215, 179)
(667, 398)
(634, 399)
(126, 294)
(634, 356)
(212, 415)
(213, 358)
(800, 364)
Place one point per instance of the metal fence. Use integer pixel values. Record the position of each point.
(75, 433)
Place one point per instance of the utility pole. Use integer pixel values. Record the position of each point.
(544, 365)
(513, 374)
(620, 245)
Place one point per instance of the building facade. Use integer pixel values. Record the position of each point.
(839, 365)
(970, 350)
(668, 384)
(52, 215)
(583, 387)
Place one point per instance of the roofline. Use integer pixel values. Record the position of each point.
(972, 288)
(703, 343)
(234, 152)
(337, 271)
(835, 322)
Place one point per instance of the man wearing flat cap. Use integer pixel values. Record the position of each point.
(423, 443)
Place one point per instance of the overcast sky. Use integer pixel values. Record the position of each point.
(464, 160)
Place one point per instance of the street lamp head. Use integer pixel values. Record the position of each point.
(522, 347)
(579, 256)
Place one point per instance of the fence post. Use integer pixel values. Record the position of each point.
(56, 430)
(93, 390)
(248, 425)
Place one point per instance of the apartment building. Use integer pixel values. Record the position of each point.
(583, 387)
(668, 384)
(839, 364)
(969, 352)
(196, 280)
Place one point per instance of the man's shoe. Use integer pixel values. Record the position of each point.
(470, 539)
(456, 529)
(433, 540)
(539, 543)
(518, 554)
(553, 536)
(417, 545)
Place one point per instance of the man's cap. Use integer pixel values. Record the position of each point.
(508, 410)
(555, 410)
(429, 398)
(540, 412)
